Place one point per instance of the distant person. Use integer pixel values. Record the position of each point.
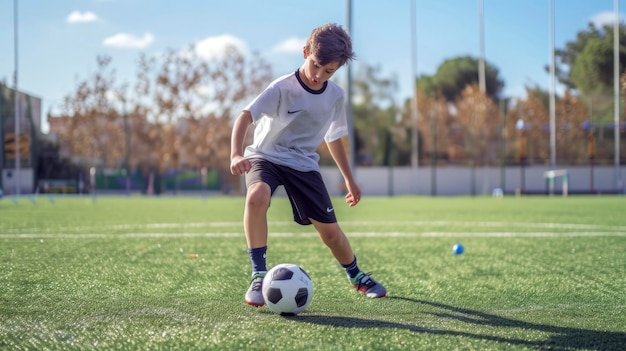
(292, 117)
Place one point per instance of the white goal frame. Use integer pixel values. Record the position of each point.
(551, 176)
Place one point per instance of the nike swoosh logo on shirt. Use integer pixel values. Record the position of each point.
(292, 112)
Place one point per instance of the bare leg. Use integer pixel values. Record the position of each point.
(332, 235)
(255, 214)
(255, 226)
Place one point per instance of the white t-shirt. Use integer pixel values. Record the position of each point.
(292, 120)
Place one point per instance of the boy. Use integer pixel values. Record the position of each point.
(292, 117)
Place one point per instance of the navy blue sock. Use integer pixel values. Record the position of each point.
(352, 269)
(257, 259)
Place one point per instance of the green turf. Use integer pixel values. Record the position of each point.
(170, 274)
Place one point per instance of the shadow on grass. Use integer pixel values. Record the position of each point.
(561, 338)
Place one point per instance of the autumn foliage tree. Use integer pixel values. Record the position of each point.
(179, 109)
(528, 137)
(190, 100)
(528, 129)
(178, 113)
(478, 117)
(571, 144)
(94, 131)
(436, 129)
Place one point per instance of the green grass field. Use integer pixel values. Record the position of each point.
(170, 274)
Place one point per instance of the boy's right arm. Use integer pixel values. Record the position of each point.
(238, 164)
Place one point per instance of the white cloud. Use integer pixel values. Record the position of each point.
(81, 17)
(290, 46)
(603, 18)
(215, 47)
(125, 40)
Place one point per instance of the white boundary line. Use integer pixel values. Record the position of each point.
(345, 224)
(385, 223)
(288, 234)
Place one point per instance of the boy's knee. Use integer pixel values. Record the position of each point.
(258, 196)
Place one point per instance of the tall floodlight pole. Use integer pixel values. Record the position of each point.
(17, 107)
(552, 92)
(482, 84)
(414, 112)
(349, 114)
(618, 176)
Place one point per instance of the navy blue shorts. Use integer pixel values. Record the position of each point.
(306, 190)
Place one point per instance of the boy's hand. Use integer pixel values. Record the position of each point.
(354, 194)
(239, 165)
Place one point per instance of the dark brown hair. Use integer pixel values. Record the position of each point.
(330, 43)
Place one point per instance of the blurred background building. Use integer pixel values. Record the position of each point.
(29, 119)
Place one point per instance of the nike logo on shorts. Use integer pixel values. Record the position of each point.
(329, 209)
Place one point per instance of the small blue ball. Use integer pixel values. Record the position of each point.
(457, 249)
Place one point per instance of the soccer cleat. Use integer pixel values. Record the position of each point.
(367, 285)
(254, 295)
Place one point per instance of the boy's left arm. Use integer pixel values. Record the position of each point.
(339, 154)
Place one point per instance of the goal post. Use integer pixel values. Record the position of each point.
(551, 176)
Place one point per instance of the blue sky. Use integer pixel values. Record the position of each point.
(60, 40)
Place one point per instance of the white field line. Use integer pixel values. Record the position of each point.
(346, 224)
(384, 223)
(291, 234)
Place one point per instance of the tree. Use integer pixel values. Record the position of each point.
(189, 102)
(478, 116)
(453, 75)
(374, 114)
(527, 129)
(586, 66)
(571, 142)
(541, 94)
(179, 113)
(437, 130)
(95, 130)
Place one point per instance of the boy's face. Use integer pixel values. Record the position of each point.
(314, 73)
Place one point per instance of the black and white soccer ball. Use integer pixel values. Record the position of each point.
(287, 289)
